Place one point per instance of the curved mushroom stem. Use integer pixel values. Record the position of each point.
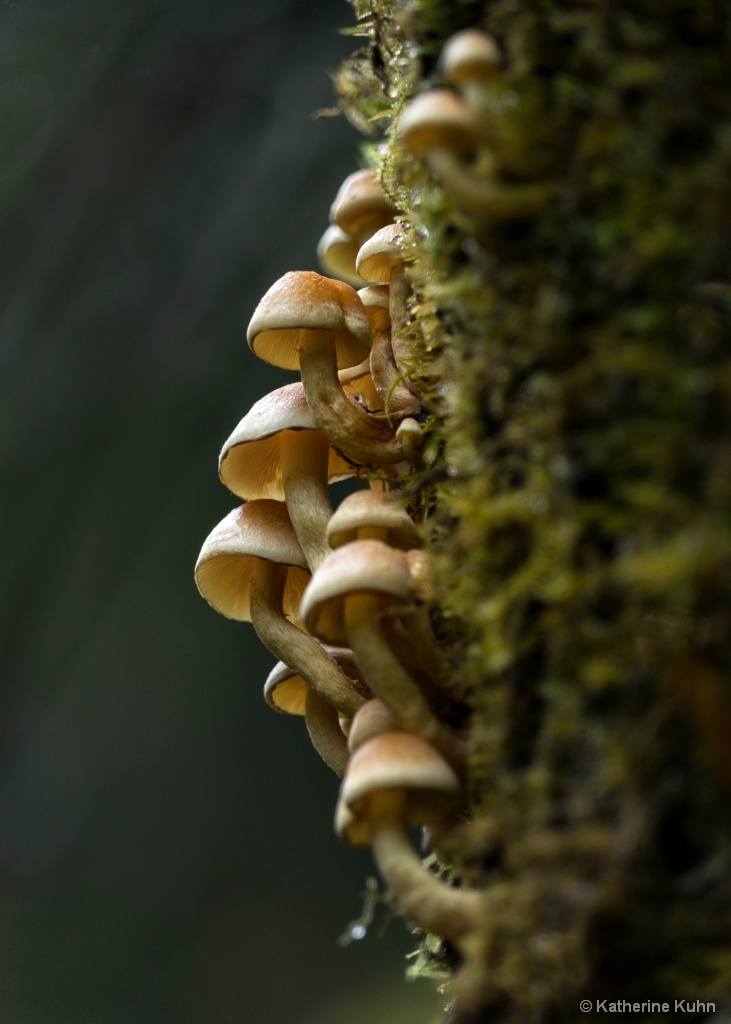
(324, 730)
(360, 436)
(304, 455)
(398, 300)
(389, 380)
(450, 913)
(304, 655)
(389, 680)
(486, 198)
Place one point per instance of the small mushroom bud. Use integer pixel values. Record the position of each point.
(251, 568)
(319, 325)
(471, 61)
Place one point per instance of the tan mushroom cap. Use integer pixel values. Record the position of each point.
(286, 691)
(395, 761)
(436, 120)
(257, 530)
(360, 206)
(305, 304)
(381, 253)
(250, 463)
(372, 509)
(375, 298)
(361, 567)
(371, 720)
(470, 56)
(336, 252)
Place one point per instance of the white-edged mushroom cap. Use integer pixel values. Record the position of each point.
(285, 691)
(257, 530)
(301, 305)
(361, 567)
(250, 464)
(372, 509)
(396, 761)
(336, 252)
(383, 251)
(470, 56)
(360, 206)
(436, 120)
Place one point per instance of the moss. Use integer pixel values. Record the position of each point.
(576, 369)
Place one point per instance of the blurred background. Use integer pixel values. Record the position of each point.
(166, 848)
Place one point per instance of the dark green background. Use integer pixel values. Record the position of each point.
(165, 840)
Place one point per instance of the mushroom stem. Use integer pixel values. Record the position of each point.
(398, 299)
(450, 913)
(485, 198)
(360, 436)
(389, 680)
(389, 381)
(324, 730)
(304, 455)
(304, 655)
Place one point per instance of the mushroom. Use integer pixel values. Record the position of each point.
(375, 515)
(277, 451)
(336, 252)
(345, 603)
(318, 325)
(372, 515)
(393, 781)
(438, 127)
(251, 568)
(381, 260)
(471, 61)
(287, 692)
(388, 378)
(360, 207)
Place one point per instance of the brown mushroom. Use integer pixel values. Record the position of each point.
(358, 586)
(319, 325)
(287, 692)
(393, 781)
(277, 451)
(360, 207)
(251, 568)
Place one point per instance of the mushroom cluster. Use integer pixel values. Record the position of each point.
(338, 596)
(455, 130)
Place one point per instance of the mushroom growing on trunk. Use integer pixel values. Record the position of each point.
(319, 326)
(251, 568)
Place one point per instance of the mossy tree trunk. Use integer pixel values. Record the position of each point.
(576, 365)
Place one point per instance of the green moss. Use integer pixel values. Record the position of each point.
(576, 369)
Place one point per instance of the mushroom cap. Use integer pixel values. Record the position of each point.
(370, 720)
(395, 761)
(470, 56)
(250, 463)
(383, 251)
(336, 252)
(361, 567)
(286, 691)
(360, 206)
(302, 304)
(436, 120)
(364, 509)
(225, 565)
(375, 298)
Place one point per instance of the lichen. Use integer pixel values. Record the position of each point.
(576, 370)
